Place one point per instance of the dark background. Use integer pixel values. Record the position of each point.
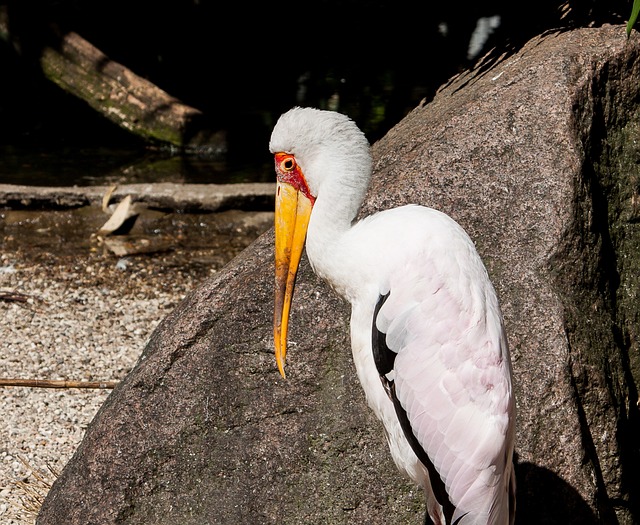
(243, 63)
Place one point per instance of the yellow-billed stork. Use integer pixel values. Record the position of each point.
(427, 333)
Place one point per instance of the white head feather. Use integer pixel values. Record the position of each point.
(329, 149)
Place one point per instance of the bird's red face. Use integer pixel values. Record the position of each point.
(288, 171)
(294, 203)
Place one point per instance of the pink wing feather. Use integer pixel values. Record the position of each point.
(452, 372)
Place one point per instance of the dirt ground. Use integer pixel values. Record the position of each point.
(78, 307)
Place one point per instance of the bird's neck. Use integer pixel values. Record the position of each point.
(333, 215)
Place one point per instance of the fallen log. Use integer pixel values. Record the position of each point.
(130, 101)
(117, 93)
(188, 198)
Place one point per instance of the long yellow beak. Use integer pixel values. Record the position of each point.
(293, 210)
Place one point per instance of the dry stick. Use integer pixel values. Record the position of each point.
(13, 296)
(34, 487)
(49, 383)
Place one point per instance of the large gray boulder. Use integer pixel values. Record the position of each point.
(537, 158)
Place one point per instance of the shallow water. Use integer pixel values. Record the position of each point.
(102, 166)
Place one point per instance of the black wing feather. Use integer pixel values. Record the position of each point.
(385, 358)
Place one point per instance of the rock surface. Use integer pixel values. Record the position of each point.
(532, 157)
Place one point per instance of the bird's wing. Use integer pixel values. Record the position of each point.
(451, 372)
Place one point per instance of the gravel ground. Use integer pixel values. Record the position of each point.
(78, 316)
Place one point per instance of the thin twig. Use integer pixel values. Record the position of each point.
(34, 488)
(52, 383)
(13, 297)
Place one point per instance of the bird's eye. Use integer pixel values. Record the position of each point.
(288, 164)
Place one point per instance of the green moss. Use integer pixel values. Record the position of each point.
(620, 174)
(610, 304)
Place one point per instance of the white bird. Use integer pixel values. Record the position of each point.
(427, 333)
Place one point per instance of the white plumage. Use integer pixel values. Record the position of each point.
(449, 374)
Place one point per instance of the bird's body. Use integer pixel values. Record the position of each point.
(426, 329)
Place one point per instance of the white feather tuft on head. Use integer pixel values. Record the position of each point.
(326, 144)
